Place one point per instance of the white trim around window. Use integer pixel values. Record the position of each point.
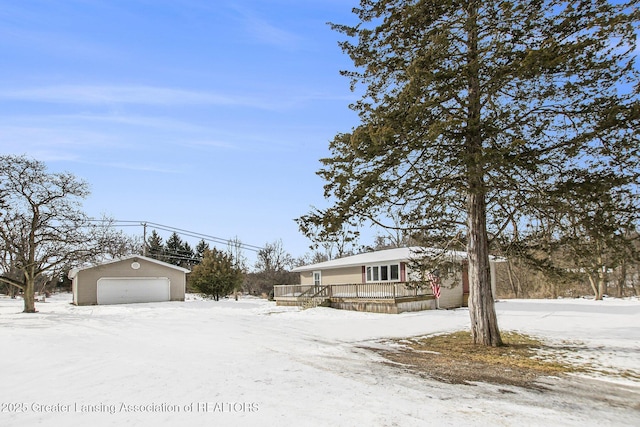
(383, 273)
(317, 278)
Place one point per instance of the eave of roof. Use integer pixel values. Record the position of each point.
(73, 272)
(386, 255)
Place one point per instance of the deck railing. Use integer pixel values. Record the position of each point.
(290, 290)
(356, 290)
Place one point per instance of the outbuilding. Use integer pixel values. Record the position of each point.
(133, 279)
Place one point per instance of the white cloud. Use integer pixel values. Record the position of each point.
(211, 143)
(140, 167)
(270, 34)
(57, 44)
(106, 94)
(75, 137)
(265, 32)
(160, 96)
(25, 137)
(157, 122)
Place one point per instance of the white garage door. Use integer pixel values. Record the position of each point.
(124, 290)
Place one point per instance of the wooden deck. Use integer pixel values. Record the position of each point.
(372, 297)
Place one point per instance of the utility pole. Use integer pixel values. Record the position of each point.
(144, 239)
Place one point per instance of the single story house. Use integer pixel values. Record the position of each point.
(132, 279)
(382, 281)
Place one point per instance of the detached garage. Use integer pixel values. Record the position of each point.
(129, 280)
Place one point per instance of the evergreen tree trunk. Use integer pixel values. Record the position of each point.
(622, 280)
(602, 282)
(515, 289)
(484, 322)
(601, 288)
(602, 274)
(595, 287)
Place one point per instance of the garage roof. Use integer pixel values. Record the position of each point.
(75, 271)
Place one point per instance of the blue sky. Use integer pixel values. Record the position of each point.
(209, 116)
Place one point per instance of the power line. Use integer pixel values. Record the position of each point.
(205, 237)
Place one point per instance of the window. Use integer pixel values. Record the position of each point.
(317, 278)
(395, 272)
(383, 273)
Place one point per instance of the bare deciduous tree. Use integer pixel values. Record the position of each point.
(42, 229)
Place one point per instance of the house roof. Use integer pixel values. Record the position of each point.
(386, 255)
(75, 271)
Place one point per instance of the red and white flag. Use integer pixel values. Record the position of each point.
(435, 284)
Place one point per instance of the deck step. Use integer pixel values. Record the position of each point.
(315, 302)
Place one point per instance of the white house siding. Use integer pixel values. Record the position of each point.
(451, 294)
(450, 291)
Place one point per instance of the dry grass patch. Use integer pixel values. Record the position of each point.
(453, 358)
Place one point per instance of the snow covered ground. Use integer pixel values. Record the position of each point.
(249, 362)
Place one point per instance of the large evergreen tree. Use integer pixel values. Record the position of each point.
(473, 108)
(217, 275)
(188, 256)
(177, 251)
(155, 247)
(201, 248)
